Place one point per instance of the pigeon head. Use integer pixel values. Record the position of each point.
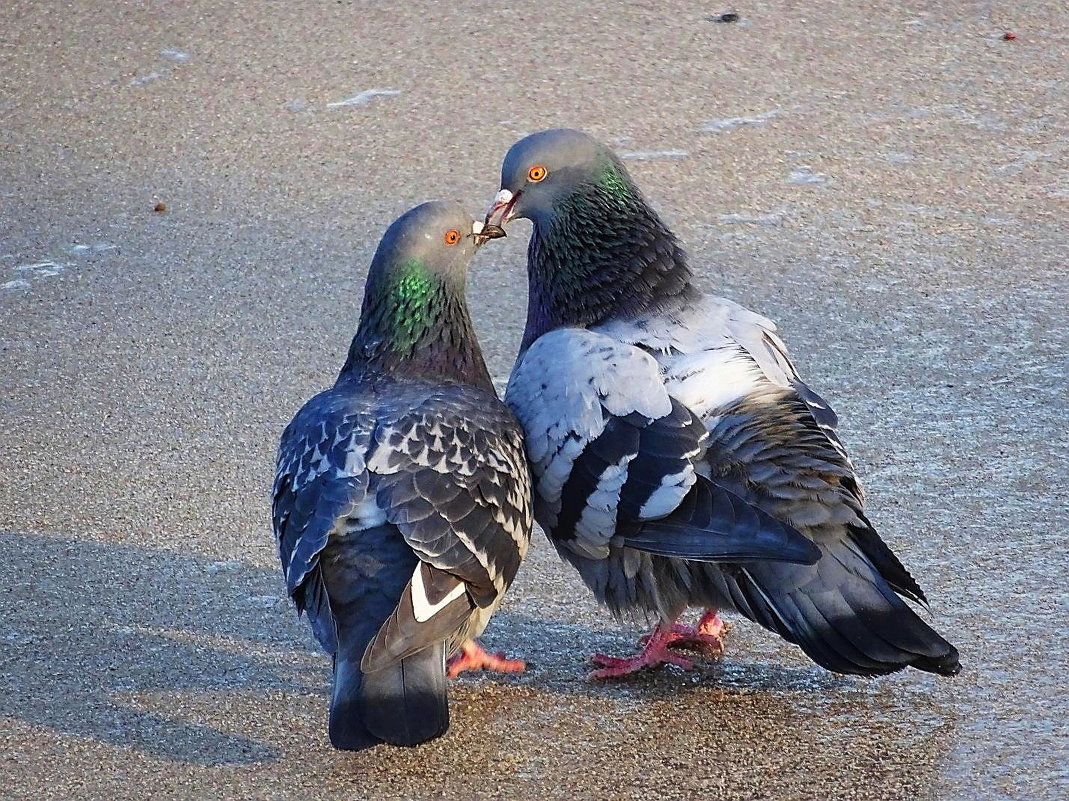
(546, 168)
(414, 319)
(439, 236)
(599, 252)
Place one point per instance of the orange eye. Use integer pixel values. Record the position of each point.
(536, 173)
(452, 236)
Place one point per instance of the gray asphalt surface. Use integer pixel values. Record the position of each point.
(891, 184)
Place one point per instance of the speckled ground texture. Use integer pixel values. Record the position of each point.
(889, 181)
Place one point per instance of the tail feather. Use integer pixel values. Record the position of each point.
(841, 612)
(406, 703)
(347, 728)
(885, 561)
(397, 700)
(403, 704)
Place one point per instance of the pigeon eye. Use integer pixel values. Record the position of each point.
(536, 173)
(452, 236)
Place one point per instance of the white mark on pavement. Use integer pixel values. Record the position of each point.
(731, 123)
(772, 218)
(41, 269)
(897, 157)
(145, 80)
(87, 250)
(364, 98)
(229, 565)
(171, 54)
(805, 175)
(26, 274)
(175, 55)
(647, 155)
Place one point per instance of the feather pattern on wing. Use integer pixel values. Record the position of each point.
(442, 464)
(773, 442)
(615, 459)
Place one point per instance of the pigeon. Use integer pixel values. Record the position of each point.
(402, 497)
(665, 427)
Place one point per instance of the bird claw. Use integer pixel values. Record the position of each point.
(615, 667)
(473, 656)
(698, 643)
(662, 646)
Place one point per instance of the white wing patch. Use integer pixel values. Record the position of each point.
(674, 489)
(597, 523)
(422, 609)
(712, 379)
(560, 392)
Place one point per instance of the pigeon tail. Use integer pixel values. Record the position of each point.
(841, 612)
(403, 704)
(347, 728)
(367, 575)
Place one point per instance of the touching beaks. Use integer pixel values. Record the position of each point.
(501, 209)
(482, 232)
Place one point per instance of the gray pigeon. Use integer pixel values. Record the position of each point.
(666, 427)
(402, 500)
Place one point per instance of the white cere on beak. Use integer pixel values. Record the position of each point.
(476, 227)
(500, 208)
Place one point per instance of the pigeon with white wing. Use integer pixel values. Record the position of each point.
(669, 434)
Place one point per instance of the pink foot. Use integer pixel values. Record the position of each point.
(473, 656)
(707, 638)
(712, 625)
(655, 652)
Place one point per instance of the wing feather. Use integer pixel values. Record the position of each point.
(442, 464)
(615, 458)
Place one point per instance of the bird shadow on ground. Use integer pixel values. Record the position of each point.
(557, 656)
(182, 657)
(97, 638)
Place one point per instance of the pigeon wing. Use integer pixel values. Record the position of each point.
(773, 442)
(320, 477)
(611, 452)
(450, 473)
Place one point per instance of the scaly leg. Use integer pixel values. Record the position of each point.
(655, 652)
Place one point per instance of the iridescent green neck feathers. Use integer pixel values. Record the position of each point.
(601, 253)
(415, 322)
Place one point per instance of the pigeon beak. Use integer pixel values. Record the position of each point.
(482, 233)
(501, 209)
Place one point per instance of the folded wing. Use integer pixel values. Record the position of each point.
(616, 460)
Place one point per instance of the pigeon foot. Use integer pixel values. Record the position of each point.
(473, 656)
(706, 638)
(655, 652)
